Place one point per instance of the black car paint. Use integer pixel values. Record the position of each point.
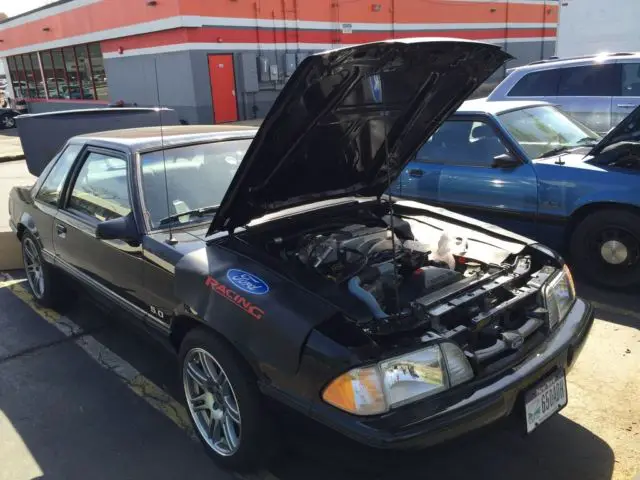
(301, 356)
(325, 131)
(464, 408)
(177, 277)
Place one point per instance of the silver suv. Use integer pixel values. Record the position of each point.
(599, 90)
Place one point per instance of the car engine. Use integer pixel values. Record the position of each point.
(362, 257)
(401, 284)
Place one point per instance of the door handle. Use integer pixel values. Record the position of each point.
(415, 172)
(61, 230)
(626, 105)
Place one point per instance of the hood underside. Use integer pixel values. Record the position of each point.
(349, 120)
(628, 130)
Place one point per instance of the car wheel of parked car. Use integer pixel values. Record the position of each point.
(46, 284)
(224, 403)
(7, 121)
(605, 248)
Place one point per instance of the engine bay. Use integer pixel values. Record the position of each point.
(428, 286)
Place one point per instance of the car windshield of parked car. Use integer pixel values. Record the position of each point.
(544, 131)
(185, 184)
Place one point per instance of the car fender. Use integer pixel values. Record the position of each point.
(625, 197)
(267, 317)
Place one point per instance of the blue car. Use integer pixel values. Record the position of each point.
(530, 168)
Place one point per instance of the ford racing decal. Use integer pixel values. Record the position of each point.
(247, 282)
(233, 297)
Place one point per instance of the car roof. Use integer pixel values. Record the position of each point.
(553, 63)
(150, 138)
(482, 106)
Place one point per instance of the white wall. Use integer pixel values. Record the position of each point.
(594, 26)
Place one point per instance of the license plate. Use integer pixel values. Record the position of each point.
(545, 399)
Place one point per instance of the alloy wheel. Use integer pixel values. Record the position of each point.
(33, 267)
(212, 402)
(616, 248)
(8, 122)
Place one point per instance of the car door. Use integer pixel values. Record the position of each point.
(629, 94)
(419, 180)
(472, 183)
(586, 91)
(48, 192)
(99, 190)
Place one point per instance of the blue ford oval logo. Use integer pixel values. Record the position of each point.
(247, 282)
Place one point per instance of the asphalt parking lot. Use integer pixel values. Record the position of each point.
(87, 396)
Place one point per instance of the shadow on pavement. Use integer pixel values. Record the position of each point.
(622, 308)
(559, 449)
(11, 132)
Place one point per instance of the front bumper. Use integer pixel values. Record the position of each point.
(468, 408)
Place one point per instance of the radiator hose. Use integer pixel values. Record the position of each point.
(368, 276)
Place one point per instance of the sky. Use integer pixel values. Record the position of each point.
(16, 7)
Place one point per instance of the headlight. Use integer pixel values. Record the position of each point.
(559, 295)
(400, 380)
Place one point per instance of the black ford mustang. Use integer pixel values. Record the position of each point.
(276, 266)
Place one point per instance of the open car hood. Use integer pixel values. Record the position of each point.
(628, 130)
(348, 121)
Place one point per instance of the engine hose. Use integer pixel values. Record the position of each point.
(355, 287)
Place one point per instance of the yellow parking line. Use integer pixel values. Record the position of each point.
(138, 383)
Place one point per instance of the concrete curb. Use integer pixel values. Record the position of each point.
(10, 251)
(12, 158)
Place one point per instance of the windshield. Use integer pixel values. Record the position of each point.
(197, 177)
(545, 130)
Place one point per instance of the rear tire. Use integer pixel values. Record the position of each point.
(47, 285)
(605, 248)
(7, 121)
(220, 389)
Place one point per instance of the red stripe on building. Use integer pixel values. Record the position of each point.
(115, 14)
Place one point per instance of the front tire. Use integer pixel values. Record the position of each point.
(224, 403)
(605, 248)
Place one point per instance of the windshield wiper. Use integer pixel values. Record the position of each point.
(588, 141)
(556, 151)
(196, 212)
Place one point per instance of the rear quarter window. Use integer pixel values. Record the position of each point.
(597, 80)
(537, 84)
(52, 186)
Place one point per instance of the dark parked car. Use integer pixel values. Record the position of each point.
(8, 118)
(275, 266)
(530, 168)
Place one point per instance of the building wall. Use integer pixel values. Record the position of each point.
(165, 79)
(158, 55)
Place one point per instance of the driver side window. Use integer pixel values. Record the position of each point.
(463, 142)
(101, 189)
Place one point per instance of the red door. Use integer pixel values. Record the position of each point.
(223, 88)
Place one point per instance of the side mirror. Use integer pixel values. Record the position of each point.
(123, 228)
(506, 160)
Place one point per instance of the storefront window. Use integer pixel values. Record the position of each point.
(49, 74)
(15, 77)
(21, 76)
(84, 71)
(71, 73)
(60, 72)
(37, 76)
(73, 92)
(97, 68)
(32, 89)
